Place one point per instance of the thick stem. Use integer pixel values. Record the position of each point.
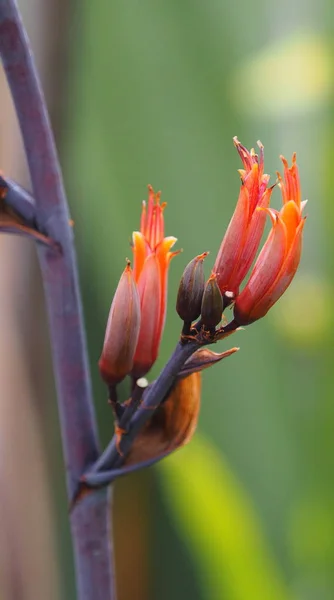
(89, 519)
(92, 561)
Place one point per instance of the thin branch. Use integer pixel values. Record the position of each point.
(20, 200)
(89, 520)
(115, 453)
(108, 465)
(132, 406)
(101, 479)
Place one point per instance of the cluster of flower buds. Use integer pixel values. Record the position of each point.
(276, 264)
(137, 313)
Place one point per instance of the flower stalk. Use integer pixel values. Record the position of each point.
(89, 520)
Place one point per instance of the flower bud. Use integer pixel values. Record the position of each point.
(150, 307)
(279, 258)
(244, 233)
(191, 288)
(122, 331)
(212, 303)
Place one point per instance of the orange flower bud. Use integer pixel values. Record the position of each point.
(150, 301)
(137, 315)
(243, 235)
(191, 288)
(279, 258)
(212, 303)
(122, 331)
(152, 256)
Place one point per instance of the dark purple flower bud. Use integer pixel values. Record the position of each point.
(191, 288)
(212, 303)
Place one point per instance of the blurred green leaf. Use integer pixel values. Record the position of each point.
(220, 525)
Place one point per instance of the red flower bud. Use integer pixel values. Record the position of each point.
(243, 235)
(122, 331)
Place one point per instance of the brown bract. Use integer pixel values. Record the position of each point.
(172, 424)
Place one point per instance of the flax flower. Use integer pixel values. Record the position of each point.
(243, 235)
(279, 258)
(152, 256)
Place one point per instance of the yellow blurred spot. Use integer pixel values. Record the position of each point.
(218, 523)
(303, 315)
(291, 76)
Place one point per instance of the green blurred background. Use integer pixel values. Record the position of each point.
(153, 92)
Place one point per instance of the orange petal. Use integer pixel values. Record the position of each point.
(140, 251)
(152, 221)
(244, 154)
(291, 186)
(252, 241)
(290, 214)
(233, 241)
(263, 182)
(261, 160)
(164, 257)
(143, 218)
(285, 275)
(266, 269)
(149, 289)
(251, 182)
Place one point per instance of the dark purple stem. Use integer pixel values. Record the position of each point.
(100, 479)
(90, 519)
(111, 458)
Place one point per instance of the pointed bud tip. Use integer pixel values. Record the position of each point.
(284, 161)
(202, 256)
